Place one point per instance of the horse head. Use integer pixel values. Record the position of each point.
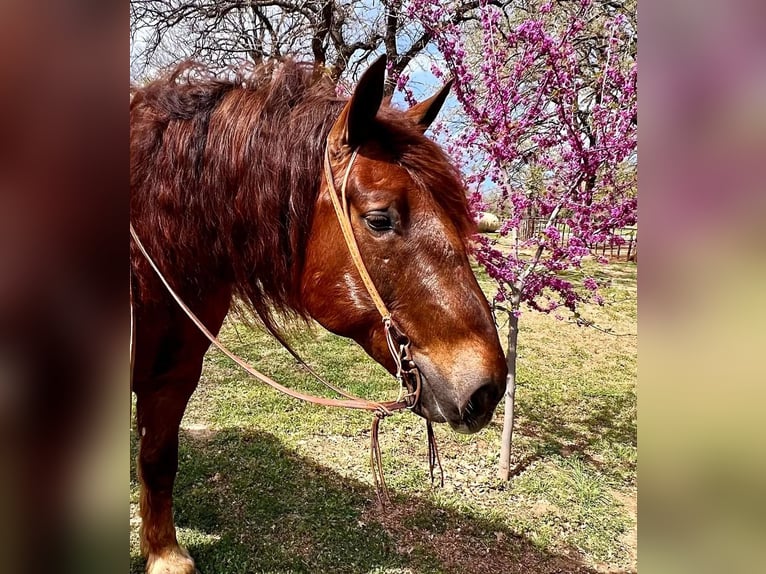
(409, 216)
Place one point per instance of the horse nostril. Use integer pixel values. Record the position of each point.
(481, 404)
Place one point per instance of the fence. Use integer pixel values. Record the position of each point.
(534, 226)
(625, 247)
(628, 247)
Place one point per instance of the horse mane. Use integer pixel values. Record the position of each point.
(225, 174)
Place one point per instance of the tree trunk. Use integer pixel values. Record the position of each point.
(504, 471)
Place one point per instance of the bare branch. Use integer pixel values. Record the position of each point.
(335, 34)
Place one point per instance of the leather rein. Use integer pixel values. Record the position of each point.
(407, 372)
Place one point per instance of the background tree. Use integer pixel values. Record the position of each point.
(341, 35)
(551, 109)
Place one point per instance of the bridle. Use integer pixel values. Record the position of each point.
(407, 372)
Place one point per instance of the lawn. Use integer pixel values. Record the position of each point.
(269, 484)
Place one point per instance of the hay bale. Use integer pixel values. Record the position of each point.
(488, 222)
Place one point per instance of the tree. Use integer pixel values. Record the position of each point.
(340, 35)
(551, 104)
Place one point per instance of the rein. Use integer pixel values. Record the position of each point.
(407, 373)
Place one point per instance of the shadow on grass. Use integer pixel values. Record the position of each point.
(613, 274)
(245, 504)
(553, 432)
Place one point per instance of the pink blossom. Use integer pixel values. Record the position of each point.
(526, 104)
(590, 283)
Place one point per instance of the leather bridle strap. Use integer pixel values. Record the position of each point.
(398, 342)
(407, 372)
(341, 211)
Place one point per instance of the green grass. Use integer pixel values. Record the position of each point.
(268, 484)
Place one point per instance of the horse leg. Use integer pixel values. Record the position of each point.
(160, 404)
(158, 416)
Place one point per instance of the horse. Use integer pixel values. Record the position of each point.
(229, 197)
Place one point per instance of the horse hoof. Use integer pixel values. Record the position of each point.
(174, 561)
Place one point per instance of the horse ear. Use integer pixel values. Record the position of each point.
(424, 113)
(353, 124)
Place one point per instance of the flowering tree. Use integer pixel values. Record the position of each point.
(549, 96)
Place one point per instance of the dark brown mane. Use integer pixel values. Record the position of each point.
(225, 175)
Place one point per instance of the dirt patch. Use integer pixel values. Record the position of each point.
(630, 538)
(460, 549)
(197, 432)
(542, 507)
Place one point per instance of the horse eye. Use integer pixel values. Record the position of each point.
(379, 221)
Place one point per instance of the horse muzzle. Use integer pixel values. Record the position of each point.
(467, 406)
